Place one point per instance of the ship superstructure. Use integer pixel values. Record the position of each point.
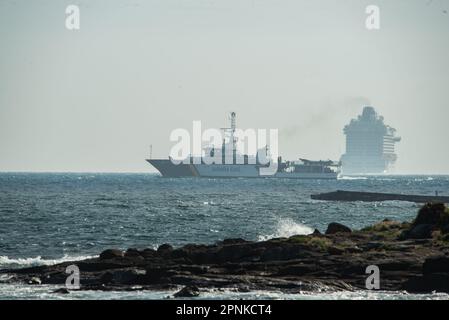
(370, 145)
(233, 164)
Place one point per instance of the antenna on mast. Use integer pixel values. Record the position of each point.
(151, 151)
(233, 121)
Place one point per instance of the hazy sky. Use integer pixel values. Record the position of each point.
(95, 99)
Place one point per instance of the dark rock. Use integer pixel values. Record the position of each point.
(131, 252)
(445, 229)
(111, 254)
(187, 292)
(420, 231)
(335, 250)
(373, 245)
(155, 275)
(106, 277)
(62, 291)
(164, 249)
(272, 254)
(101, 265)
(130, 276)
(148, 253)
(194, 252)
(399, 265)
(195, 269)
(329, 262)
(235, 253)
(296, 270)
(432, 213)
(226, 242)
(293, 252)
(427, 283)
(316, 232)
(243, 288)
(354, 249)
(436, 265)
(335, 227)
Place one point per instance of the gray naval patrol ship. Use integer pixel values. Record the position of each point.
(250, 167)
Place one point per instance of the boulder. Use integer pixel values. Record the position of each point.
(155, 275)
(316, 232)
(164, 249)
(432, 213)
(188, 292)
(233, 241)
(111, 254)
(335, 227)
(427, 283)
(148, 253)
(62, 291)
(132, 252)
(420, 231)
(127, 277)
(445, 229)
(439, 264)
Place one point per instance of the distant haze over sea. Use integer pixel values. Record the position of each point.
(95, 99)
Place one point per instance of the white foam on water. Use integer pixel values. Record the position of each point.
(286, 228)
(45, 292)
(9, 263)
(352, 178)
(20, 292)
(339, 295)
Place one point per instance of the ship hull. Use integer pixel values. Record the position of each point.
(306, 175)
(168, 169)
(227, 171)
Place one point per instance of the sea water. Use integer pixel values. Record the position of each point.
(46, 218)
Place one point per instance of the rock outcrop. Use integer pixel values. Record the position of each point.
(411, 256)
(111, 254)
(336, 227)
(432, 217)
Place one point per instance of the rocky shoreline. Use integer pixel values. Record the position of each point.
(411, 256)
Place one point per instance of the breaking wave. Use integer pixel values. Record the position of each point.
(286, 228)
(10, 263)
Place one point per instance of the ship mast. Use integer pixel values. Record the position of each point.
(232, 137)
(233, 127)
